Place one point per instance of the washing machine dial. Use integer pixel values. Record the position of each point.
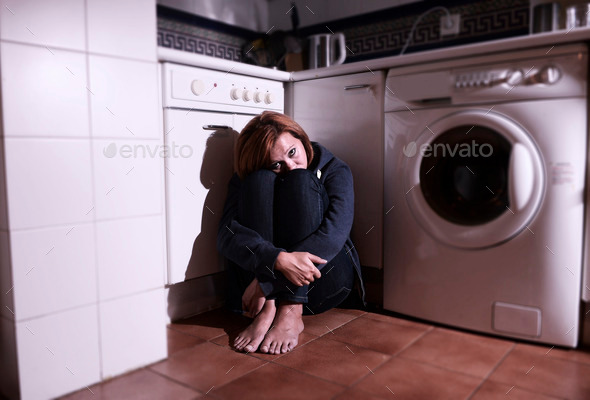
(548, 75)
(514, 77)
(235, 93)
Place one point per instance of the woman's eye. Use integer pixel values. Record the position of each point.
(275, 166)
(292, 152)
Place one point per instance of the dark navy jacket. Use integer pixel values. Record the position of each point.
(249, 250)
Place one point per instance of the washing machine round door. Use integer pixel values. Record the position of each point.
(476, 179)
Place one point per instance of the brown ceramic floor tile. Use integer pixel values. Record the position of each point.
(138, 385)
(526, 368)
(334, 361)
(226, 341)
(577, 355)
(376, 335)
(179, 341)
(356, 394)
(211, 324)
(277, 382)
(408, 379)
(494, 390)
(324, 323)
(206, 365)
(395, 320)
(462, 352)
(351, 311)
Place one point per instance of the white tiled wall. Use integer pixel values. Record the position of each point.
(53, 269)
(83, 238)
(42, 22)
(43, 92)
(122, 28)
(124, 104)
(58, 353)
(49, 182)
(133, 331)
(130, 256)
(128, 178)
(3, 206)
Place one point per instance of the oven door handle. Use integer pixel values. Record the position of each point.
(216, 127)
(353, 87)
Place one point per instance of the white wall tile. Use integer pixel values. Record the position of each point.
(8, 360)
(133, 331)
(123, 28)
(130, 256)
(54, 269)
(125, 101)
(58, 353)
(3, 203)
(6, 282)
(49, 182)
(43, 92)
(48, 23)
(128, 178)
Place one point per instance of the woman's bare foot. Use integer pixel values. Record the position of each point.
(249, 339)
(287, 326)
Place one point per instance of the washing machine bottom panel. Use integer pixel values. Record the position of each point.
(526, 288)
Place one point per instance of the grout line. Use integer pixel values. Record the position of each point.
(167, 377)
(82, 223)
(82, 52)
(93, 194)
(241, 376)
(491, 372)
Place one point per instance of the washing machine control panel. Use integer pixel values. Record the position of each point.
(545, 75)
(473, 79)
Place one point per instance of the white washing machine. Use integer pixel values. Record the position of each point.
(485, 162)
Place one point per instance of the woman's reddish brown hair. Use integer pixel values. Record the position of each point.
(259, 136)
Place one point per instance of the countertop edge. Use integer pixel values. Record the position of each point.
(198, 60)
(534, 40)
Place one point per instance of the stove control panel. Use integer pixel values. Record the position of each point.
(204, 89)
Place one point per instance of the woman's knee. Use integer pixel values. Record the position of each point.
(261, 180)
(301, 185)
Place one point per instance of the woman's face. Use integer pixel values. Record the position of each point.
(287, 154)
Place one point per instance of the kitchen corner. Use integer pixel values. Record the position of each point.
(94, 185)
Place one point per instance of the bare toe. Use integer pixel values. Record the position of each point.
(250, 338)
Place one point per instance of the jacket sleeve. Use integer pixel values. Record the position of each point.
(242, 245)
(330, 237)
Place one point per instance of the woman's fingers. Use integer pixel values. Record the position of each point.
(316, 259)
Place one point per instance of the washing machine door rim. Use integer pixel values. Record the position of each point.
(525, 186)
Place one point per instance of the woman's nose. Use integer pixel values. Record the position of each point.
(290, 165)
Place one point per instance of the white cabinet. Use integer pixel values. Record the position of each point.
(345, 114)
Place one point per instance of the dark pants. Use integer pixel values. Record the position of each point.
(285, 209)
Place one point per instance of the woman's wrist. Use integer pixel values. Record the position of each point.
(278, 261)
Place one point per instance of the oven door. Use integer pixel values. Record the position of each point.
(199, 164)
(474, 179)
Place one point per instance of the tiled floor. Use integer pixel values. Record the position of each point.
(350, 354)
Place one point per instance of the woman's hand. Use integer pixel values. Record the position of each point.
(253, 299)
(298, 267)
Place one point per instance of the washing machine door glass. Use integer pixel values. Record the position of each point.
(476, 181)
(464, 178)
